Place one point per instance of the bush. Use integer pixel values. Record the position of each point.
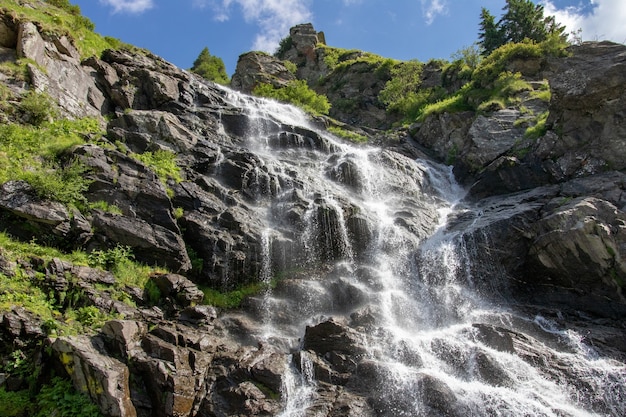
(163, 163)
(38, 108)
(297, 92)
(61, 399)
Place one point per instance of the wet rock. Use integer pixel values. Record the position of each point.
(495, 337)
(333, 336)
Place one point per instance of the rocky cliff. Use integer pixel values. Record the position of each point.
(263, 196)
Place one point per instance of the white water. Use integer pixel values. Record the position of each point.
(418, 290)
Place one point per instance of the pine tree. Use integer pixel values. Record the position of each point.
(522, 19)
(210, 67)
(490, 35)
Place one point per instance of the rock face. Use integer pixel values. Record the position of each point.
(254, 68)
(367, 303)
(584, 135)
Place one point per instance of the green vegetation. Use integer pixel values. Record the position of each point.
(104, 206)
(210, 67)
(162, 162)
(64, 19)
(337, 59)
(297, 92)
(64, 312)
(283, 46)
(401, 92)
(35, 154)
(57, 398)
(523, 20)
(347, 134)
(232, 299)
(539, 128)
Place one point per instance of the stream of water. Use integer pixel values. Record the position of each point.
(371, 247)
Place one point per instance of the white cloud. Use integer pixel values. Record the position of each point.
(600, 20)
(130, 6)
(432, 8)
(273, 17)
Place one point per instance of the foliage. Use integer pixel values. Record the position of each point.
(38, 108)
(15, 404)
(162, 162)
(231, 299)
(34, 154)
(284, 45)
(60, 398)
(59, 311)
(104, 206)
(210, 67)
(347, 134)
(110, 259)
(338, 59)
(297, 92)
(468, 56)
(65, 5)
(404, 84)
(539, 128)
(522, 20)
(291, 67)
(455, 103)
(64, 19)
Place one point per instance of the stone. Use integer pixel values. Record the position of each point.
(20, 198)
(152, 244)
(183, 290)
(254, 68)
(103, 378)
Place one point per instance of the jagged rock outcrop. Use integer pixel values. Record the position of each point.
(358, 327)
(254, 68)
(545, 234)
(583, 137)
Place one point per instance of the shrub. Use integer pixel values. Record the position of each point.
(297, 92)
(60, 398)
(38, 108)
(347, 134)
(163, 163)
(283, 46)
(210, 67)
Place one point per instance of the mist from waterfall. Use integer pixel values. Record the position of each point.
(370, 247)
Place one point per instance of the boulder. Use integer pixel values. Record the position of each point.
(254, 68)
(93, 372)
(178, 287)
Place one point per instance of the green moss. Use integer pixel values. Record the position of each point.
(162, 162)
(63, 21)
(232, 299)
(15, 404)
(347, 134)
(297, 92)
(34, 154)
(104, 206)
(539, 128)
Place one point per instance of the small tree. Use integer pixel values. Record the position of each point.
(522, 20)
(210, 67)
(490, 35)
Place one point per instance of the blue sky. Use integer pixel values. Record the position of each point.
(177, 30)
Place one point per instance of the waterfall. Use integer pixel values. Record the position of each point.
(365, 230)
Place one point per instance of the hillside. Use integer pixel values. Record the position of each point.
(171, 247)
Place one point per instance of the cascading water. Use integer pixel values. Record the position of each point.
(360, 235)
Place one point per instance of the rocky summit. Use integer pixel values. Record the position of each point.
(454, 267)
